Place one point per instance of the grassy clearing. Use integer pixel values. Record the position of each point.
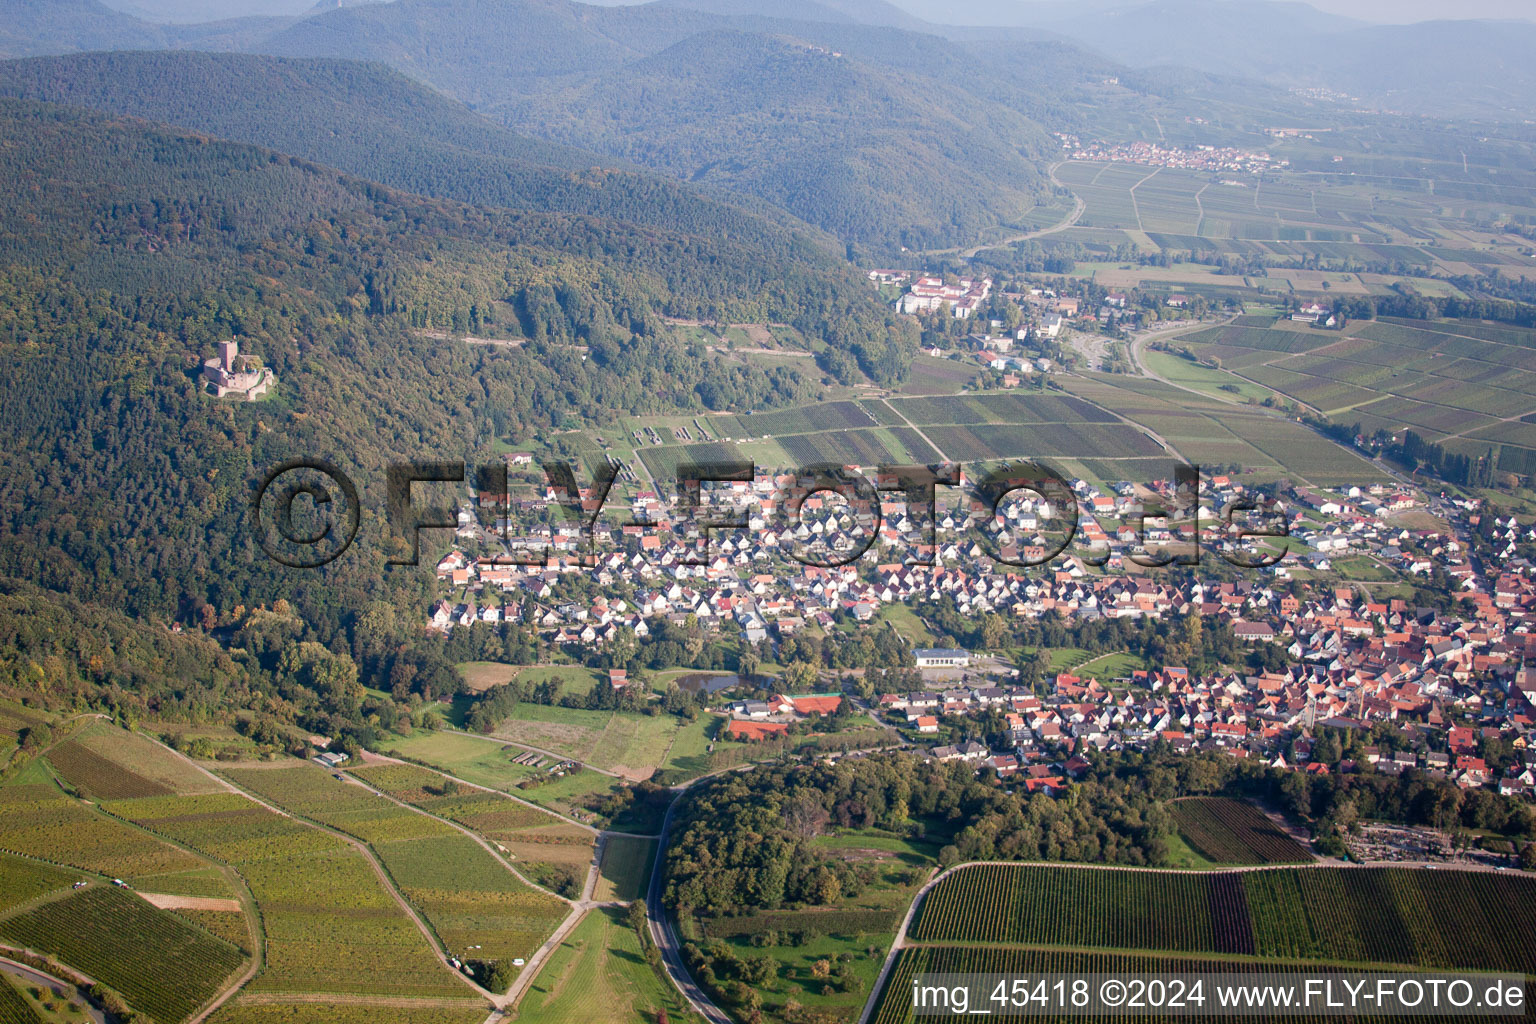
(598, 975)
(1205, 379)
(907, 624)
(626, 868)
(631, 745)
(1117, 665)
(488, 763)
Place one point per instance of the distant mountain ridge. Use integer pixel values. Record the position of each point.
(372, 121)
(1445, 68)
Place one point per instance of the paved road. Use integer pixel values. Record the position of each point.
(1078, 208)
(664, 934)
(59, 987)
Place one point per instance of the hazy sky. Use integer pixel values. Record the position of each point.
(1369, 10)
(1427, 10)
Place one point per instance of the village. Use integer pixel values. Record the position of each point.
(1446, 684)
(1150, 154)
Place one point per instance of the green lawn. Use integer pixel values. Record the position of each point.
(626, 868)
(1110, 666)
(908, 624)
(1363, 568)
(1205, 379)
(1060, 659)
(598, 975)
(1182, 855)
(631, 744)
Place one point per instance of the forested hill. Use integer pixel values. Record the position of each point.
(872, 154)
(59, 26)
(122, 483)
(369, 120)
(883, 153)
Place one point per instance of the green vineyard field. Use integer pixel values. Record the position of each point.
(1393, 916)
(167, 971)
(895, 1005)
(1232, 832)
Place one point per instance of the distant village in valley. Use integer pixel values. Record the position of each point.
(1151, 154)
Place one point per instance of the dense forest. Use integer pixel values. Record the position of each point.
(890, 139)
(369, 120)
(742, 843)
(123, 485)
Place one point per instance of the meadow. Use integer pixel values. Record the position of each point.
(599, 975)
(628, 744)
(625, 870)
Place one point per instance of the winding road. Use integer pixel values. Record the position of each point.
(58, 986)
(664, 934)
(1078, 209)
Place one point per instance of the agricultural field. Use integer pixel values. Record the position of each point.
(42, 822)
(330, 924)
(895, 1004)
(626, 868)
(574, 679)
(1367, 216)
(524, 834)
(171, 968)
(1051, 906)
(1231, 832)
(598, 975)
(23, 880)
(251, 1011)
(99, 778)
(931, 375)
(1007, 408)
(14, 1007)
(1444, 380)
(488, 763)
(1209, 432)
(471, 901)
(1395, 916)
(142, 758)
